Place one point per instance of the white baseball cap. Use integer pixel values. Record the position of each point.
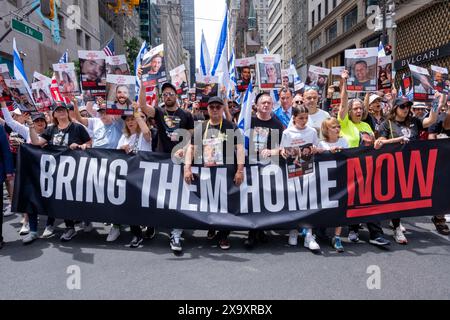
(373, 98)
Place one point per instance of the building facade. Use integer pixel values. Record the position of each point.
(64, 33)
(421, 27)
(150, 29)
(188, 31)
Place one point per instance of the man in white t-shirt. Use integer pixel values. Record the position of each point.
(316, 115)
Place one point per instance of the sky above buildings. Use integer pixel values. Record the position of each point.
(209, 17)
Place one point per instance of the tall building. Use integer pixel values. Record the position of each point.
(64, 33)
(276, 34)
(150, 29)
(262, 16)
(421, 36)
(188, 31)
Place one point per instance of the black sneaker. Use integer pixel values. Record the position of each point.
(262, 237)
(380, 241)
(150, 233)
(441, 226)
(175, 244)
(136, 242)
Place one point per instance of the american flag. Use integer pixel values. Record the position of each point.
(109, 49)
(64, 58)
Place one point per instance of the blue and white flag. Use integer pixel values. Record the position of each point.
(276, 98)
(221, 57)
(298, 83)
(233, 80)
(137, 63)
(205, 57)
(245, 117)
(64, 58)
(19, 70)
(381, 51)
(266, 50)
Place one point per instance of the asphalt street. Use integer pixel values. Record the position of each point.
(270, 272)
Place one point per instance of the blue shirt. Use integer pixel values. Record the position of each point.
(6, 160)
(105, 136)
(284, 116)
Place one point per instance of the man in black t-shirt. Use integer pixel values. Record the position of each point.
(168, 120)
(221, 144)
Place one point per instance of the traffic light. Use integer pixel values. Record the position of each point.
(48, 9)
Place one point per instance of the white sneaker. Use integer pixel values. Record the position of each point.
(30, 238)
(293, 238)
(311, 244)
(114, 233)
(353, 237)
(25, 229)
(401, 227)
(48, 232)
(399, 236)
(447, 218)
(87, 227)
(7, 211)
(68, 235)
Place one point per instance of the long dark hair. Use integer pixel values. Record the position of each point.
(393, 113)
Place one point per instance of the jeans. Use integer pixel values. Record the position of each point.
(375, 230)
(1, 214)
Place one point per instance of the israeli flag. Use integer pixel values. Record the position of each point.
(245, 117)
(137, 63)
(233, 80)
(19, 70)
(276, 99)
(381, 51)
(205, 57)
(266, 50)
(221, 56)
(64, 58)
(297, 80)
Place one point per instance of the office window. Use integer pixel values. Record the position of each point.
(79, 38)
(319, 12)
(315, 44)
(326, 7)
(334, 3)
(350, 19)
(332, 32)
(87, 42)
(313, 18)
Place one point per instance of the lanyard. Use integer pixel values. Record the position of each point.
(207, 128)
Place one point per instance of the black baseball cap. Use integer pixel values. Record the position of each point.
(38, 116)
(261, 94)
(402, 100)
(168, 85)
(216, 100)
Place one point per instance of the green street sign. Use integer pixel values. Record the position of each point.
(25, 29)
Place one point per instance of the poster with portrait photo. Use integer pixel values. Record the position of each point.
(206, 87)
(287, 79)
(117, 65)
(245, 72)
(441, 81)
(93, 71)
(20, 95)
(178, 78)
(268, 71)
(154, 67)
(422, 83)
(300, 160)
(362, 66)
(120, 93)
(385, 74)
(192, 95)
(66, 77)
(40, 77)
(5, 92)
(318, 77)
(42, 95)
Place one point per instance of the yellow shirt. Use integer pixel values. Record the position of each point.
(351, 131)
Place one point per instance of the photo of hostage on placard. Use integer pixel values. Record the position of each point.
(245, 72)
(422, 84)
(440, 79)
(385, 74)
(153, 67)
(287, 79)
(269, 71)
(42, 95)
(92, 69)
(179, 79)
(318, 77)
(120, 92)
(20, 95)
(362, 66)
(5, 92)
(300, 160)
(117, 65)
(66, 78)
(206, 88)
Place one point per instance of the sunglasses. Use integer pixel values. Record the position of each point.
(171, 94)
(215, 107)
(404, 106)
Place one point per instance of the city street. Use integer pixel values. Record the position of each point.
(273, 271)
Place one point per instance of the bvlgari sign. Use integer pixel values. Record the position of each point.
(426, 56)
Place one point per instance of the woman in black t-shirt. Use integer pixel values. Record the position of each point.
(64, 133)
(402, 127)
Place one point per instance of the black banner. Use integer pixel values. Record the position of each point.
(353, 186)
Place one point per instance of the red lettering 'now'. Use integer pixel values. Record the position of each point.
(354, 172)
(416, 168)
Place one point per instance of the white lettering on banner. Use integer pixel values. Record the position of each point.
(63, 180)
(113, 182)
(186, 194)
(165, 186)
(208, 196)
(96, 180)
(267, 187)
(46, 177)
(326, 185)
(80, 179)
(296, 192)
(149, 167)
(252, 189)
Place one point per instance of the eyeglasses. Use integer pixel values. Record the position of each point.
(215, 107)
(167, 94)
